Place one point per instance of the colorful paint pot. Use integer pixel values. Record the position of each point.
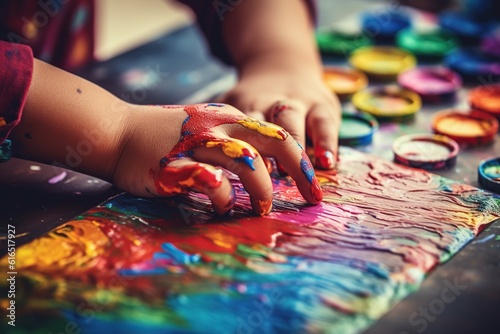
(487, 99)
(340, 42)
(427, 43)
(471, 127)
(433, 84)
(384, 25)
(357, 129)
(344, 81)
(382, 62)
(489, 175)
(426, 151)
(472, 64)
(490, 43)
(388, 102)
(463, 26)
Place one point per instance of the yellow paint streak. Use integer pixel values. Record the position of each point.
(222, 240)
(264, 128)
(76, 243)
(234, 148)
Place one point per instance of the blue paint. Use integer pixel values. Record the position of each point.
(179, 256)
(307, 169)
(247, 161)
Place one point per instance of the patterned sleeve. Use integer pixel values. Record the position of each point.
(16, 68)
(210, 15)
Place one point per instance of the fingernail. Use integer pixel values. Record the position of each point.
(324, 159)
(265, 207)
(316, 191)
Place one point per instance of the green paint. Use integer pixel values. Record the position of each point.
(353, 128)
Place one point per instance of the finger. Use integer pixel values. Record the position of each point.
(323, 125)
(243, 160)
(272, 140)
(184, 175)
(290, 116)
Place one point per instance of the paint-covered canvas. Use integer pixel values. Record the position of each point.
(170, 265)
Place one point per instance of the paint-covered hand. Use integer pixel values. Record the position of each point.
(295, 98)
(172, 150)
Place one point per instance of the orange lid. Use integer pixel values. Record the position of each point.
(486, 98)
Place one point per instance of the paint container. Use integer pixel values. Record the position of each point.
(433, 84)
(487, 99)
(427, 44)
(382, 62)
(489, 175)
(472, 64)
(468, 128)
(426, 151)
(468, 30)
(388, 103)
(340, 42)
(357, 129)
(384, 26)
(344, 81)
(490, 43)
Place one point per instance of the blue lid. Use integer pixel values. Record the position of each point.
(472, 63)
(463, 25)
(489, 174)
(385, 24)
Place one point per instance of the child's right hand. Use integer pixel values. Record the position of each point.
(170, 150)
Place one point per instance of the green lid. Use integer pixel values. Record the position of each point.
(433, 43)
(341, 43)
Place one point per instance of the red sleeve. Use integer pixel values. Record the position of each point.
(210, 15)
(16, 68)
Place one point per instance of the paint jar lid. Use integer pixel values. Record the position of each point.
(382, 61)
(486, 98)
(472, 127)
(431, 81)
(340, 42)
(344, 81)
(357, 129)
(384, 24)
(425, 151)
(471, 64)
(388, 102)
(430, 43)
(489, 174)
(462, 25)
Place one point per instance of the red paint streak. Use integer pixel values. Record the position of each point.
(316, 191)
(174, 180)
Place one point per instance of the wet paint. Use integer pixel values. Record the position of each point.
(489, 174)
(470, 127)
(169, 264)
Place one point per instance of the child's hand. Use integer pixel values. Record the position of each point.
(174, 149)
(294, 97)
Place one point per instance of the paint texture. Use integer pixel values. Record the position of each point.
(133, 265)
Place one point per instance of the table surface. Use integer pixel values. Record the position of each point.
(36, 197)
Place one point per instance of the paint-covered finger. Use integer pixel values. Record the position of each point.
(272, 140)
(243, 160)
(292, 117)
(184, 175)
(323, 125)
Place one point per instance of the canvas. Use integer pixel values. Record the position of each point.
(133, 265)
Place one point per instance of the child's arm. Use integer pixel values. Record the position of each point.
(273, 46)
(70, 121)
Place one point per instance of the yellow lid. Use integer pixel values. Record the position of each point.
(344, 81)
(387, 102)
(382, 60)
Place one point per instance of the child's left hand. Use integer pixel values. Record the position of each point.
(295, 97)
